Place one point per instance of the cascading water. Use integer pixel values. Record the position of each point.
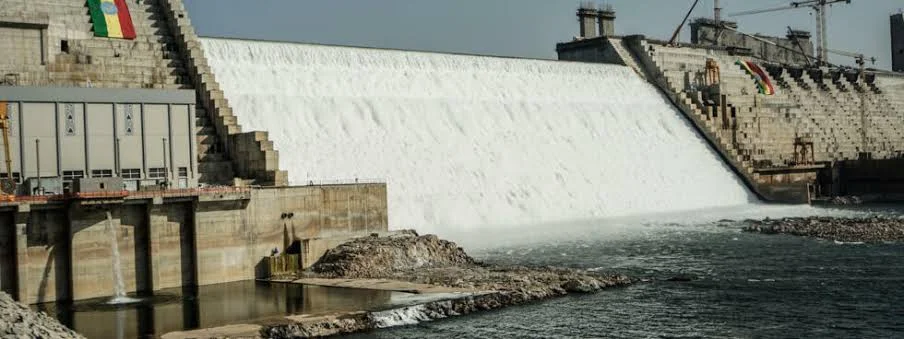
(469, 141)
(119, 287)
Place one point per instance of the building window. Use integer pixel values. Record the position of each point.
(131, 173)
(183, 172)
(64, 46)
(105, 173)
(157, 173)
(16, 176)
(72, 175)
(69, 177)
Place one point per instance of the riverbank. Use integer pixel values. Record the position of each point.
(18, 321)
(447, 281)
(866, 230)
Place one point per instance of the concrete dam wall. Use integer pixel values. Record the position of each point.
(61, 250)
(465, 141)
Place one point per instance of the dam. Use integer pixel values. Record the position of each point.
(205, 158)
(469, 141)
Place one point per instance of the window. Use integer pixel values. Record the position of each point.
(183, 172)
(64, 46)
(16, 176)
(69, 177)
(104, 173)
(156, 173)
(131, 173)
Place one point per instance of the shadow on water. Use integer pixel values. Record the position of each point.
(210, 306)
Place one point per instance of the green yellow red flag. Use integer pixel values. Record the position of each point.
(111, 19)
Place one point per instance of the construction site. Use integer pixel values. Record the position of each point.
(794, 126)
(126, 169)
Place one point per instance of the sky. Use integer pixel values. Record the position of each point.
(519, 28)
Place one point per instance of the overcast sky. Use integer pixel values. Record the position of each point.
(522, 28)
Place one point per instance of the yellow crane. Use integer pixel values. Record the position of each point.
(8, 184)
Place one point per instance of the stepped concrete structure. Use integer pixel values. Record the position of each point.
(140, 129)
(826, 131)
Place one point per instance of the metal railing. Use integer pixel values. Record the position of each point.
(335, 182)
(173, 193)
(188, 192)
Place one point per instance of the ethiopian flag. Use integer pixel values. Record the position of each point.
(111, 19)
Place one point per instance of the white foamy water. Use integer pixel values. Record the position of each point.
(410, 315)
(469, 141)
(119, 287)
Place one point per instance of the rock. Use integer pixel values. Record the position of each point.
(873, 230)
(18, 321)
(376, 256)
(683, 278)
(429, 260)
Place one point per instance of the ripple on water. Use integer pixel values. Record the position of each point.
(747, 285)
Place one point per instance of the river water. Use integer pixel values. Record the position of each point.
(743, 286)
(746, 285)
(212, 306)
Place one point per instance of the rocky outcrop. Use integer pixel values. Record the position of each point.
(872, 230)
(18, 321)
(377, 257)
(430, 260)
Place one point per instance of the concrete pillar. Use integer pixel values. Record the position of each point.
(44, 258)
(20, 219)
(92, 243)
(607, 21)
(225, 242)
(165, 227)
(587, 18)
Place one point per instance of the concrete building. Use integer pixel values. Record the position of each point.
(606, 17)
(587, 18)
(897, 42)
(143, 136)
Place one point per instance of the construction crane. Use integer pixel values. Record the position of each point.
(8, 184)
(821, 9)
(860, 59)
(674, 38)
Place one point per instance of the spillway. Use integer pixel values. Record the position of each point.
(471, 141)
